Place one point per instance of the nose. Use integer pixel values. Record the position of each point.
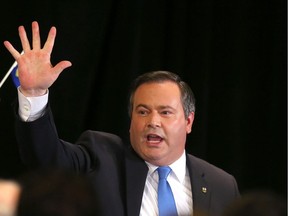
(154, 120)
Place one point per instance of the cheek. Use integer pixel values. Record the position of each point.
(135, 129)
(137, 124)
(177, 129)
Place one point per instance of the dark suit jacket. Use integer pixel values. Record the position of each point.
(118, 173)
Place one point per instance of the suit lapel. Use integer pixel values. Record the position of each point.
(135, 182)
(201, 191)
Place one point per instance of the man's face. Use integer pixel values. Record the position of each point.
(158, 126)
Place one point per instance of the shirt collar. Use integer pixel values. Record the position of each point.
(178, 167)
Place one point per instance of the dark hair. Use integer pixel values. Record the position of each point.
(187, 96)
(56, 192)
(258, 203)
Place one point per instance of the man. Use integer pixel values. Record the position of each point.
(162, 111)
(9, 196)
(258, 202)
(56, 192)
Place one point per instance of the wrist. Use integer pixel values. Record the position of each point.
(33, 92)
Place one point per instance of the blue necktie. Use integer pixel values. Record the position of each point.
(166, 203)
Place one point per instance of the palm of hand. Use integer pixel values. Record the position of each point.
(36, 73)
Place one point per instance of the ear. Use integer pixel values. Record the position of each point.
(189, 121)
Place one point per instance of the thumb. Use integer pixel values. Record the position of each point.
(58, 68)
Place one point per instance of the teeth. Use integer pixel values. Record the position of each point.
(154, 138)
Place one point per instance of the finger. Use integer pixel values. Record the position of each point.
(12, 50)
(36, 36)
(61, 66)
(48, 46)
(24, 40)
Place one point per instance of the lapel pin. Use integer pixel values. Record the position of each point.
(204, 190)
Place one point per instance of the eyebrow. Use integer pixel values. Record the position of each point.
(161, 107)
(141, 105)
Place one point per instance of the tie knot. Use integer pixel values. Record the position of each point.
(163, 172)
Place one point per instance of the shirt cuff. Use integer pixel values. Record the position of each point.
(31, 108)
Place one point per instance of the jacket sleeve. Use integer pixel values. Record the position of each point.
(40, 147)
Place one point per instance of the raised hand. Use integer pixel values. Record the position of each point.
(36, 73)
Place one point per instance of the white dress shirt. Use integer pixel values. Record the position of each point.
(31, 108)
(179, 181)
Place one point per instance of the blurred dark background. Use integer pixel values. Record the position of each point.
(232, 53)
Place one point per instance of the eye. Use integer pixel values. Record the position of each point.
(142, 112)
(166, 112)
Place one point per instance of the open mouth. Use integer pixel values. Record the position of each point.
(153, 138)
